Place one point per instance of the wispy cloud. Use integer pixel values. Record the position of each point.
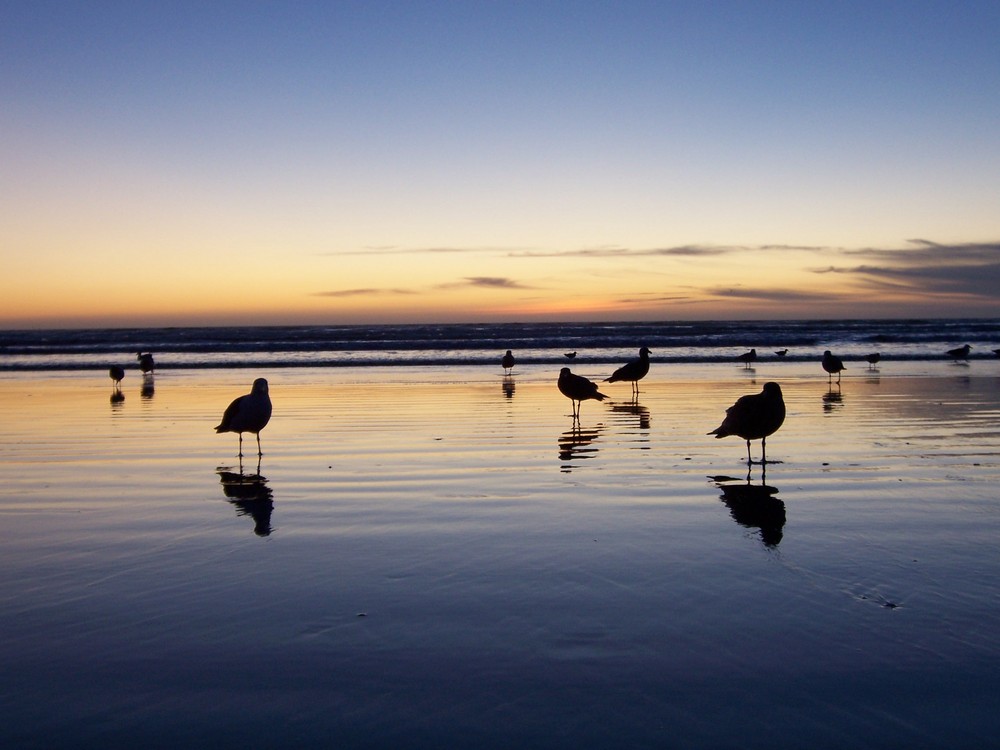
(370, 292)
(488, 282)
(769, 295)
(930, 268)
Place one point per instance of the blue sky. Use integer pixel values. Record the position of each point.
(367, 161)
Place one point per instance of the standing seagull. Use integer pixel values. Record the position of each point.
(873, 360)
(507, 362)
(961, 353)
(249, 413)
(754, 417)
(116, 373)
(578, 389)
(832, 364)
(748, 358)
(570, 355)
(781, 352)
(145, 362)
(634, 371)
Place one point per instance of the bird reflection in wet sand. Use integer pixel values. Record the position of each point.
(754, 506)
(575, 445)
(148, 386)
(577, 389)
(754, 417)
(250, 495)
(508, 386)
(833, 399)
(634, 409)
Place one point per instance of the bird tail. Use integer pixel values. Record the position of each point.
(599, 396)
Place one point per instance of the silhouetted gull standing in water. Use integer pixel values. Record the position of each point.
(508, 362)
(832, 364)
(781, 352)
(570, 355)
(249, 413)
(873, 359)
(578, 389)
(145, 362)
(997, 352)
(754, 417)
(748, 358)
(634, 371)
(116, 373)
(961, 353)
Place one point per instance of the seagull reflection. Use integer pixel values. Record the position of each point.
(833, 398)
(635, 409)
(508, 386)
(148, 386)
(754, 506)
(117, 398)
(575, 445)
(250, 495)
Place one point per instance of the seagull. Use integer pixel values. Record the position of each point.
(873, 360)
(754, 417)
(570, 355)
(634, 371)
(145, 362)
(249, 413)
(116, 373)
(781, 352)
(997, 352)
(961, 353)
(507, 362)
(832, 364)
(748, 357)
(578, 389)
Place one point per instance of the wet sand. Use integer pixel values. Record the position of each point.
(439, 558)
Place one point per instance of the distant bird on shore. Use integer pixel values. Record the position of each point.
(872, 360)
(997, 352)
(754, 417)
(781, 352)
(508, 362)
(249, 413)
(145, 362)
(748, 358)
(578, 389)
(832, 364)
(570, 355)
(961, 353)
(116, 374)
(634, 371)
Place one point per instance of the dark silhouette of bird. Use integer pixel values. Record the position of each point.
(832, 364)
(508, 362)
(748, 358)
(997, 352)
(570, 355)
(754, 417)
(873, 359)
(781, 352)
(249, 413)
(961, 353)
(145, 362)
(116, 373)
(634, 371)
(578, 389)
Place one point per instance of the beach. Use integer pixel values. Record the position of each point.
(434, 556)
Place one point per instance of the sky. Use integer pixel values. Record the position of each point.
(192, 163)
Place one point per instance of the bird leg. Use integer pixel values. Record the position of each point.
(241, 444)
(749, 460)
(259, 452)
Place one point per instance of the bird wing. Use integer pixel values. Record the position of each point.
(230, 414)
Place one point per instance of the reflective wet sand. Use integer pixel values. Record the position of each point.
(429, 558)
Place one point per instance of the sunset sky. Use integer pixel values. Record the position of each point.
(335, 162)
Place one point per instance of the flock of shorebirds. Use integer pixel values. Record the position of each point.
(752, 417)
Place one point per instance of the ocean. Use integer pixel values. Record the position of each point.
(475, 344)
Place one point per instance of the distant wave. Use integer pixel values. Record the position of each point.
(532, 343)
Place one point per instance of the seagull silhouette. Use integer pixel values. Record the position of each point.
(116, 373)
(754, 417)
(578, 389)
(570, 355)
(748, 358)
(145, 362)
(961, 353)
(832, 364)
(507, 362)
(781, 352)
(873, 359)
(634, 371)
(249, 413)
